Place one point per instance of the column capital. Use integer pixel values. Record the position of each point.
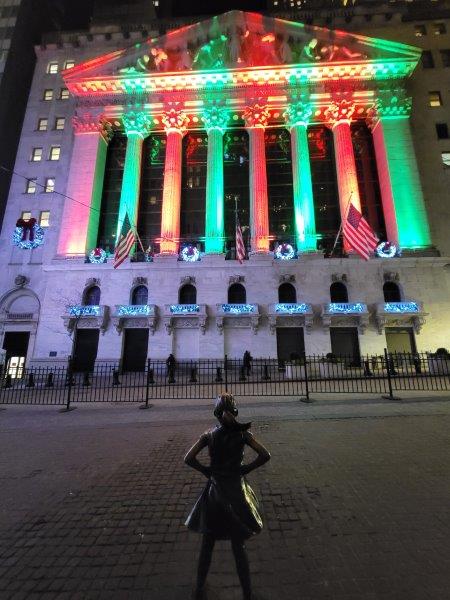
(175, 119)
(139, 123)
(339, 111)
(215, 117)
(389, 106)
(297, 113)
(84, 123)
(256, 116)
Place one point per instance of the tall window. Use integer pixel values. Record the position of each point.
(44, 218)
(112, 186)
(150, 203)
(279, 182)
(323, 173)
(391, 292)
(55, 153)
(69, 64)
(25, 215)
(49, 185)
(420, 30)
(48, 95)
(427, 59)
(139, 295)
(64, 94)
(42, 125)
(338, 292)
(236, 174)
(36, 154)
(287, 293)
(91, 296)
(445, 57)
(237, 294)
(193, 194)
(52, 68)
(60, 123)
(31, 186)
(366, 169)
(187, 294)
(442, 131)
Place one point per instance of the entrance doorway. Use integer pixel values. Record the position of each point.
(16, 345)
(135, 345)
(85, 349)
(290, 343)
(345, 343)
(400, 339)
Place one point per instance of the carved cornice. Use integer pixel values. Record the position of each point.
(137, 122)
(339, 111)
(256, 116)
(83, 123)
(215, 117)
(175, 120)
(297, 113)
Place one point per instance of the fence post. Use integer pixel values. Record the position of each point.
(389, 375)
(148, 381)
(69, 383)
(225, 368)
(307, 399)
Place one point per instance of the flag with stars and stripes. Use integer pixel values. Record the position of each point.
(125, 244)
(358, 233)
(240, 247)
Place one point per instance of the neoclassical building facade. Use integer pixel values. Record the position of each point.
(240, 117)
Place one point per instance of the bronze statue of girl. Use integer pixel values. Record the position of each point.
(227, 509)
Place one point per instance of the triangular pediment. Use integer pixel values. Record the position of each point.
(242, 40)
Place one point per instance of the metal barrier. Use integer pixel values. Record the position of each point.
(205, 379)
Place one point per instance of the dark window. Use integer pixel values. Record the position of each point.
(367, 173)
(150, 204)
(187, 294)
(237, 294)
(442, 131)
(193, 186)
(279, 184)
(338, 292)
(139, 295)
(445, 56)
(112, 186)
(420, 30)
(91, 296)
(391, 292)
(236, 177)
(427, 59)
(287, 293)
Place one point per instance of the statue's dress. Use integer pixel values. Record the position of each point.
(227, 507)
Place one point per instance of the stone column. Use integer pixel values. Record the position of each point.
(256, 118)
(79, 225)
(339, 115)
(297, 118)
(401, 191)
(137, 127)
(215, 119)
(175, 123)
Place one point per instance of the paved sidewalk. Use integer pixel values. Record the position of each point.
(356, 502)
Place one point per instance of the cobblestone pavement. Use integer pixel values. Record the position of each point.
(356, 503)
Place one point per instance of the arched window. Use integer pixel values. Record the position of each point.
(287, 293)
(187, 294)
(391, 292)
(91, 296)
(139, 295)
(338, 292)
(237, 294)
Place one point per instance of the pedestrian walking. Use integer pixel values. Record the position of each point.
(247, 362)
(170, 364)
(227, 509)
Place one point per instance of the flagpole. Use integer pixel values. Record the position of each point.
(341, 225)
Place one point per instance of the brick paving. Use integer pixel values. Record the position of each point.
(355, 509)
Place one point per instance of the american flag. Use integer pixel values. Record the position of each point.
(240, 248)
(358, 233)
(123, 248)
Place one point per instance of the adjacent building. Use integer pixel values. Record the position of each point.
(240, 119)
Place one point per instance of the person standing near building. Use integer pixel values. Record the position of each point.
(247, 362)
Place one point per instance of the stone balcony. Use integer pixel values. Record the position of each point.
(345, 314)
(126, 316)
(291, 315)
(86, 317)
(237, 315)
(400, 314)
(185, 316)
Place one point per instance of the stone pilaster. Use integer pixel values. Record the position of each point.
(215, 119)
(79, 225)
(175, 122)
(401, 191)
(256, 118)
(297, 117)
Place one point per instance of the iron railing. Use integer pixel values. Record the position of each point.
(203, 379)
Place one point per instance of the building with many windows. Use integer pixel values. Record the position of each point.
(275, 124)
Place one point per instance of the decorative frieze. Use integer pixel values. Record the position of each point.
(85, 123)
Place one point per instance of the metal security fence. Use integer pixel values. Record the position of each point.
(204, 379)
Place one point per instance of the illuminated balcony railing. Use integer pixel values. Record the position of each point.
(237, 309)
(134, 310)
(77, 311)
(400, 314)
(345, 313)
(185, 316)
(345, 308)
(237, 315)
(401, 307)
(78, 316)
(291, 309)
(300, 314)
(134, 315)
